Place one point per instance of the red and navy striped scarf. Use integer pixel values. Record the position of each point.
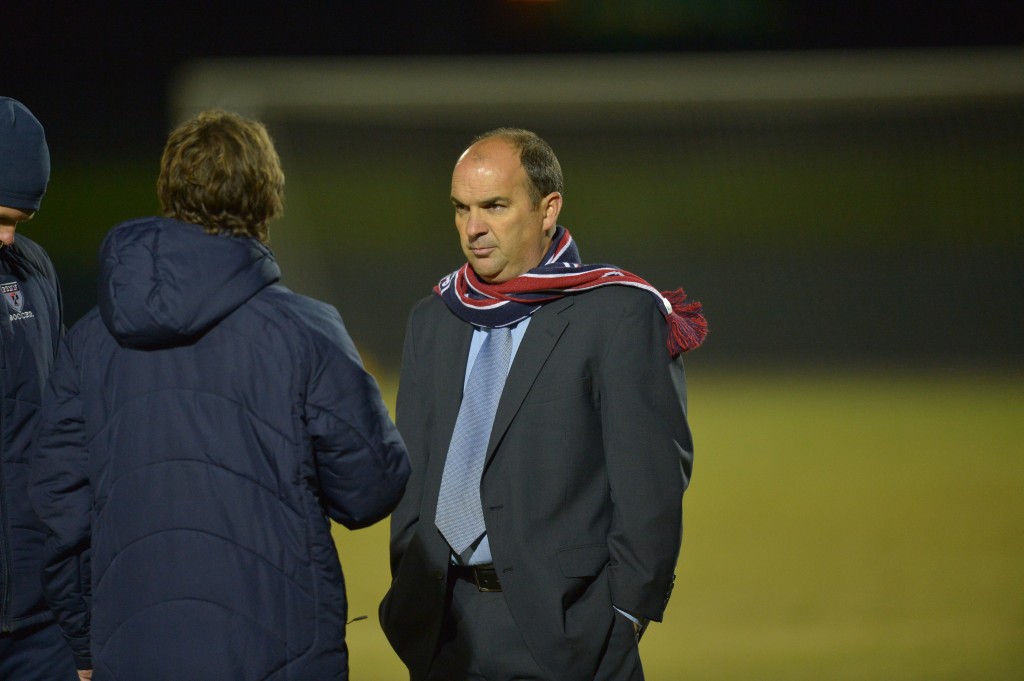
(560, 274)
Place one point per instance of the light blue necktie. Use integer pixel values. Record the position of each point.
(459, 513)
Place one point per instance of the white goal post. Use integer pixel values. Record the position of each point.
(450, 89)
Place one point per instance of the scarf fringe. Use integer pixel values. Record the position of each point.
(686, 323)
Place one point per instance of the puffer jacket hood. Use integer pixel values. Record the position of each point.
(164, 282)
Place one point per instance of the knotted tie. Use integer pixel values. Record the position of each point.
(459, 513)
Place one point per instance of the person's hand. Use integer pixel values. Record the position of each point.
(84, 675)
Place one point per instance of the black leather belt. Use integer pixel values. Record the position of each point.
(485, 577)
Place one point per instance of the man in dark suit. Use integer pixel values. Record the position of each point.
(540, 549)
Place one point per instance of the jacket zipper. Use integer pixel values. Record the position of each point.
(5, 566)
(5, 561)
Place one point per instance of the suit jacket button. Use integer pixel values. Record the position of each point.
(438, 575)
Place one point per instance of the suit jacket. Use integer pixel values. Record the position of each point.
(582, 487)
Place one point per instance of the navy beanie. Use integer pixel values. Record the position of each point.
(24, 157)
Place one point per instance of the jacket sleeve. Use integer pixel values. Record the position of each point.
(62, 498)
(649, 457)
(361, 462)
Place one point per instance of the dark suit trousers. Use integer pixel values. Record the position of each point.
(481, 642)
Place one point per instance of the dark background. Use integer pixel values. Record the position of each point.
(97, 72)
(790, 272)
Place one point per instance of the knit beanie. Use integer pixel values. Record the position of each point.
(24, 157)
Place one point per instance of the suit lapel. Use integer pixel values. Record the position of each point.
(546, 327)
(452, 352)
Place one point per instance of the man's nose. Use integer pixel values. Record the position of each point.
(7, 235)
(475, 224)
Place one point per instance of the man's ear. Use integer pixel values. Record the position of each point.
(551, 206)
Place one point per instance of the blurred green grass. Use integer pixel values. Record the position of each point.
(840, 525)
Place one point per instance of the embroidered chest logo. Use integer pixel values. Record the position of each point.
(15, 298)
(12, 293)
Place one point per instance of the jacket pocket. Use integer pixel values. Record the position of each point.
(583, 561)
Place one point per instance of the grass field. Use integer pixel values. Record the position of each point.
(839, 526)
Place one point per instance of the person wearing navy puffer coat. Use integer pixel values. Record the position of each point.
(31, 325)
(202, 425)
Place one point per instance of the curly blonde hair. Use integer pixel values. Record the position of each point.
(221, 171)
